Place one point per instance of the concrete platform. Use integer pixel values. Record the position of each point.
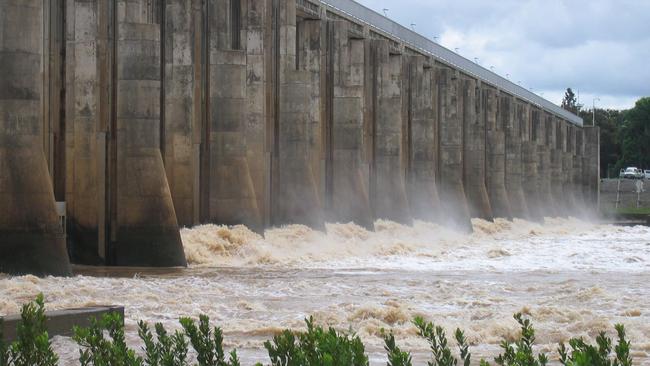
(61, 322)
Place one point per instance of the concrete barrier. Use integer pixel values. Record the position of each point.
(62, 322)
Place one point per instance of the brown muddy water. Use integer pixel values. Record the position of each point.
(571, 277)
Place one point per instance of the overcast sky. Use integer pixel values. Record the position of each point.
(599, 48)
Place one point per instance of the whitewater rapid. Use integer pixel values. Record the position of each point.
(571, 277)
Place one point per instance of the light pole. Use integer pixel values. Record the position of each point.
(385, 10)
(593, 111)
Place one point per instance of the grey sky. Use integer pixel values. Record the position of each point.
(597, 47)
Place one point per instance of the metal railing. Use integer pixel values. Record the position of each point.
(379, 22)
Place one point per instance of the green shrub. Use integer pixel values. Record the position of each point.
(316, 346)
(582, 354)
(208, 343)
(32, 346)
(96, 350)
(521, 352)
(164, 350)
(437, 339)
(396, 357)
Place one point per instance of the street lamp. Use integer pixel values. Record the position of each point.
(413, 26)
(435, 39)
(456, 49)
(476, 59)
(593, 111)
(385, 10)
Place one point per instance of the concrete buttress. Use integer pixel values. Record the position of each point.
(387, 174)
(147, 231)
(32, 238)
(421, 134)
(450, 150)
(512, 120)
(496, 153)
(347, 137)
(474, 146)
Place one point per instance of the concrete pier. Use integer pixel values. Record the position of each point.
(529, 156)
(493, 113)
(474, 150)
(31, 237)
(142, 116)
(421, 133)
(512, 121)
(450, 150)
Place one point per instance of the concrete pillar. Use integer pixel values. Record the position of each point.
(31, 236)
(546, 201)
(183, 114)
(555, 142)
(578, 165)
(231, 194)
(298, 193)
(424, 201)
(387, 186)
(87, 116)
(496, 153)
(474, 146)
(530, 159)
(147, 229)
(450, 150)
(513, 115)
(347, 136)
(568, 168)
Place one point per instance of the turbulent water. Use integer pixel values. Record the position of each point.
(571, 277)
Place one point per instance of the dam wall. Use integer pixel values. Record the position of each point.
(122, 121)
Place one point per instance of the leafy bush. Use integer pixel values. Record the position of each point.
(316, 346)
(437, 339)
(96, 350)
(208, 343)
(32, 346)
(103, 344)
(165, 350)
(582, 354)
(521, 353)
(396, 357)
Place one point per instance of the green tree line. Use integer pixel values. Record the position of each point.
(624, 134)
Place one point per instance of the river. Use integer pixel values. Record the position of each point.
(571, 277)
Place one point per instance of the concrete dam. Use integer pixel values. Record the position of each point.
(123, 120)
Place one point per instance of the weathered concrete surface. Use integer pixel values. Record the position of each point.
(529, 156)
(255, 112)
(424, 201)
(31, 238)
(474, 150)
(496, 154)
(231, 192)
(544, 170)
(298, 194)
(387, 186)
(450, 150)
(182, 118)
(513, 121)
(147, 232)
(347, 168)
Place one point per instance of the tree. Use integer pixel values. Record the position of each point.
(635, 135)
(570, 102)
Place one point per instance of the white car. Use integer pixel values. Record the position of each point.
(633, 173)
(647, 174)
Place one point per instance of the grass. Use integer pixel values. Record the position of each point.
(103, 344)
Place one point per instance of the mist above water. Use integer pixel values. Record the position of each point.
(572, 277)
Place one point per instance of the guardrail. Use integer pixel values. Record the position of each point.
(379, 22)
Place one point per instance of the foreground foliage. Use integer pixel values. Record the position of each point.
(103, 343)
